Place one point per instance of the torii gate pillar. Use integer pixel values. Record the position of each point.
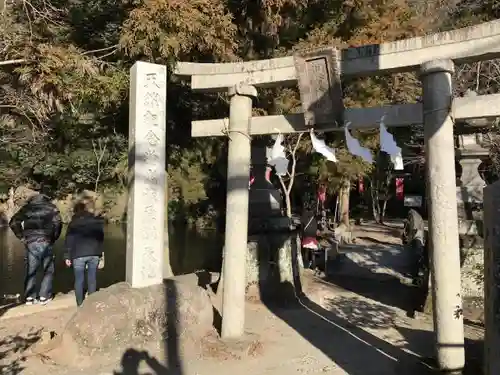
(443, 218)
(235, 242)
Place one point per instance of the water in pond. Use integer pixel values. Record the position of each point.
(190, 250)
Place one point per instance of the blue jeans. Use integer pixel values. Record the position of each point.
(39, 254)
(79, 265)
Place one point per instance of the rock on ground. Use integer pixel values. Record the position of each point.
(120, 314)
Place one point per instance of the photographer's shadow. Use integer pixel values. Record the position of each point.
(132, 359)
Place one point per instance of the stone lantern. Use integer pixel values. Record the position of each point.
(265, 200)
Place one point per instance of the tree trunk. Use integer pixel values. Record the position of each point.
(375, 203)
(344, 202)
(376, 214)
(288, 205)
(382, 214)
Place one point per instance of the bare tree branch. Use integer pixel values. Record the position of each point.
(99, 152)
(115, 46)
(291, 147)
(13, 62)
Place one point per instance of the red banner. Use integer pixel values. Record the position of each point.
(400, 188)
(268, 174)
(322, 193)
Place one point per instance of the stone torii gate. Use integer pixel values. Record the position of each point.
(434, 57)
(145, 224)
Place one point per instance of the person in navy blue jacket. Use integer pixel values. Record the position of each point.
(83, 247)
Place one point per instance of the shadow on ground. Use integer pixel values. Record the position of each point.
(15, 347)
(131, 361)
(340, 332)
(387, 228)
(341, 329)
(375, 240)
(473, 348)
(385, 289)
(339, 335)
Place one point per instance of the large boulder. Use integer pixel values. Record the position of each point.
(121, 315)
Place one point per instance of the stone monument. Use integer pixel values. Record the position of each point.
(146, 199)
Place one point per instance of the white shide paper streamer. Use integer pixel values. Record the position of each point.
(320, 147)
(388, 145)
(277, 157)
(355, 148)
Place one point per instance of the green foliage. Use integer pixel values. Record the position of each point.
(164, 31)
(64, 69)
(187, 183)
(52, 76)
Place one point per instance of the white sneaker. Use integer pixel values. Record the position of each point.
(30, 301)
(44, 301)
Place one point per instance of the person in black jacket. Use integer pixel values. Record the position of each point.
(83, 245)
(38, 225)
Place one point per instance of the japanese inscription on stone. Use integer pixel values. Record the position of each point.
(153, 116)
(152, 138)
(145, 224)
(318, 76)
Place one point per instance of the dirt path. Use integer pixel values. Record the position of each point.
(19, 335)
